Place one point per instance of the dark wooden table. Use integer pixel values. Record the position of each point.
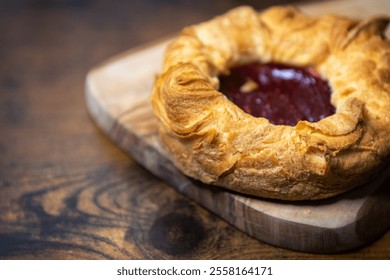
(66, 191)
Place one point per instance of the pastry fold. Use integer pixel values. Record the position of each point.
(211, 139)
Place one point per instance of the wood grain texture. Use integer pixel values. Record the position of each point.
(66, 191)
(121, 106)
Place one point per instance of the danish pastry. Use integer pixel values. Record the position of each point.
(214, 140)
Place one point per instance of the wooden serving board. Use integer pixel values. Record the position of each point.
(118, 99)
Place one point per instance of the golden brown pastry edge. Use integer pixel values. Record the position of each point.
(211, 139)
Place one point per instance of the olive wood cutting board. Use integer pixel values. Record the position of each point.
(118, 99)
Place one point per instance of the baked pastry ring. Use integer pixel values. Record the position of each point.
(211, 139)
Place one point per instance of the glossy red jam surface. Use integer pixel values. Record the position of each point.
(282, 94)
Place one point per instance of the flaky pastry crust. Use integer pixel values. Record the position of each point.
(211, 139)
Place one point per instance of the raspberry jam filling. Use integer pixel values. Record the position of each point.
(283, 94)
